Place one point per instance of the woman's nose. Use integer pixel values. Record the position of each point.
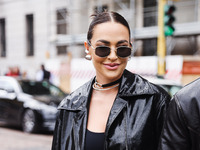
(113, 54)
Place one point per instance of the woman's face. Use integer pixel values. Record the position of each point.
(113, 35)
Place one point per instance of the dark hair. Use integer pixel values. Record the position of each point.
(106, 17)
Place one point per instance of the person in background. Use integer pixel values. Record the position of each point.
(116, 110)
(14, 72)
(46, 73)
(43, 74)
(181, 129)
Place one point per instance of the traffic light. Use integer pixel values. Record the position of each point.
(169, 19)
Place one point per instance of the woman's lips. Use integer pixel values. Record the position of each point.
(111, 66)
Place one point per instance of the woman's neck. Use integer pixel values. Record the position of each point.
(108, 86)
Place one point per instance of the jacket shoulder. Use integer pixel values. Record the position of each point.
(77, 99)
(189, 91)
(141, 86)
(188, 101)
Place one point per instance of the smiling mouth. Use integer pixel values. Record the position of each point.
(112, 66)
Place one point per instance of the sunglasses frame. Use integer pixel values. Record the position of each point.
(110, 50)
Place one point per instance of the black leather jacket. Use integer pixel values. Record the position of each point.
(182, 127)
(134, 123)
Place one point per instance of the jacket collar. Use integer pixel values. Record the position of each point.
(77, 100)
(134, 85)
(131, 85)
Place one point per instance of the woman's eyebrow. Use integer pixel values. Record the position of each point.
(107, 42)
(122, 41)
(103, 41)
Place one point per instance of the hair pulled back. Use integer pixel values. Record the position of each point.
(103, 17)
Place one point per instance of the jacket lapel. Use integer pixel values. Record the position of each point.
(77, 102)
(117, 107)
(79, 128)
(131, 86)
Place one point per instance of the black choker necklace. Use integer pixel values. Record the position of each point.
(101, 87)
(108, 84)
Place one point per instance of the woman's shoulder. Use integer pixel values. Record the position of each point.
(76, 99)
(133, 85)
(139, 85)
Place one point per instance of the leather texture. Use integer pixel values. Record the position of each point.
(135, 121)
(182, 127)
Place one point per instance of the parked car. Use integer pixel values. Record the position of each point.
(169, 85)
(31, 105)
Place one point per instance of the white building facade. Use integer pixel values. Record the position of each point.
(51, 32)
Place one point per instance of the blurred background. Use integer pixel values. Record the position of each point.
(52, 33)
(35, 32)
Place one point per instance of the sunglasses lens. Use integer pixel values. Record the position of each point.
(123, 51)
(102, 51)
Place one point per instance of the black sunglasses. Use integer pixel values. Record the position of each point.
(104, 51)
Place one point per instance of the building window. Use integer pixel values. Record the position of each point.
(150, 47)
(121, 5)
(61, 50)
(99, 9)
(150, 13)
(30, 34)
(185, 45)
(189, 6)
(61, 21)
(2, 38)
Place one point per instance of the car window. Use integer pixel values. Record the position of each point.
(5, 85)
(40, 88)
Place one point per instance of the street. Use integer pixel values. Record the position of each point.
(15, 139)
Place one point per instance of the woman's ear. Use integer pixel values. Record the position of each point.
(87, 56)
(86, 45)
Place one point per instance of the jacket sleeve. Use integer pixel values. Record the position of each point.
(175, 133)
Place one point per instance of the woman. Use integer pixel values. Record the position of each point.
(116, 110)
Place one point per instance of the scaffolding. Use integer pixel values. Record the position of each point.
(128, 9)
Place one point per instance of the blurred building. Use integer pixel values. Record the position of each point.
(33, 32)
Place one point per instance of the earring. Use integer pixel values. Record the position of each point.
(86, 51)
(88, 57)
